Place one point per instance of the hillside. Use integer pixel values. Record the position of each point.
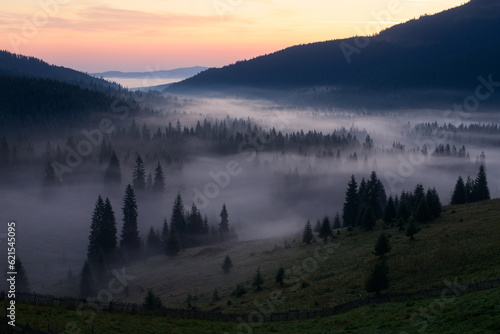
(23, 66)
(460, 247)
(417, 55)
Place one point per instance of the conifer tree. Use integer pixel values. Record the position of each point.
(434, 202)
(164, 233)
(95, 240)
(159, 180)
(326, 229)
(173, 246)
(459, 194)
(382, 246)
(50, 178)
(108, 231)
(390, 211)
(139, 175)
(86, 281)
(153, 242)
(22, 283)
(337, 222)
(423, 214)
(258, 280)
(378, 279)
(130, 240)
(149, 182)
(480, 191)
(227, 265)
(224, 222)
(113, 175)
(351, 203)
(307, 236)
(369, 220)
(280, 276)
(177, 220)
(403, 209)
(412, 230)
(317, 227)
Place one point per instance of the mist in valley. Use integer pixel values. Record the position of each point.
(270, 188)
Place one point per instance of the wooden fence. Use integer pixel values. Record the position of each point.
(37, 299)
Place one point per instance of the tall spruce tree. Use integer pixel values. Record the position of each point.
(108, 232)
(423, 214)
(224, 222)
(382, 246)
(94, 249)
(130, 241)
(113, 175)
(351, 203)
(403, 209)
(480, 191)
(227, 264)
(369, 220)
(459, 194)
(22, 283)
(434, 202)
(86, 285)
(337, 222)
(307, 236)
(153, 242)
(378, 279)
(159, 180)
(390, 211)
(258, 280)
(164, 233)
(326, 229)
(177, 219)
(139, 175)
(173, 246)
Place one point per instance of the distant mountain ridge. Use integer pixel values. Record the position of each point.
(30, 67)
(448, 50)
(184, 72)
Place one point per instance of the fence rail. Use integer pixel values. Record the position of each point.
(37, 299)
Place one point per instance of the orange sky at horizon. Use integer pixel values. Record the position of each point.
(105, 35)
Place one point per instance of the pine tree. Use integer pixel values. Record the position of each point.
(164, 233)
(195, 221)
(390, 211)
(130, 241)
(317, 226)
(86, 281)
(108, 231)
(113, 175)
(459, 194)
(159, 180)
(326, 230)
(22, 283)
(369, 220)
(378, 279)
(403, 209)
(308, 236)
(50, 178)
(375, 195)
(337, 222)
(153, 242)
(149, 182)
(423, 214)
(480, 191)
(173, 246)
(151, 301)
(382, 246)
(280, 276)
(224, 222)
(434, 202)
(95, 240)
(139, 175)
(227, 265)
(412, 230)
(177, 220)
(258, 280)
(351, 203)
(469, 190)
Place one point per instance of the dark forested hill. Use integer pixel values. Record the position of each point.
(448, 50)
(23, 66)
(44, 103)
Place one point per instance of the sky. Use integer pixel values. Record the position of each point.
(146, 35)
